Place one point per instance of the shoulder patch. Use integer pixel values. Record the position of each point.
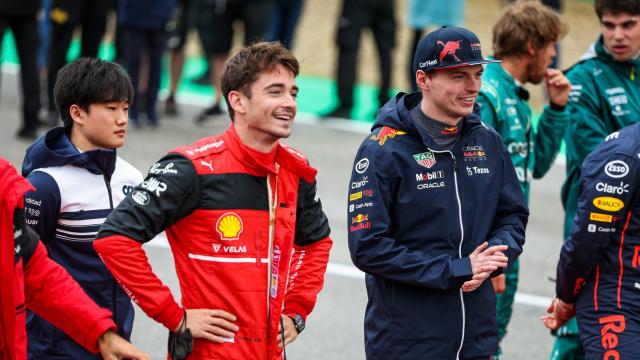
(385, 133)
(202, 148)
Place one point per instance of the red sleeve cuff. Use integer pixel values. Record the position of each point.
(94, 333)
(293, 309)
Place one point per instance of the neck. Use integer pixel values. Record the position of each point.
(516, 68)
(80, 141)
(258, 141)
(429, 109)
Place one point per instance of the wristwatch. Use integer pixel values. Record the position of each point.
(298, 322)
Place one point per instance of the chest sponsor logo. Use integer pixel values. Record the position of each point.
(473, 153)
(386, 133)
(140, 197)
(426, 159)
(230, 249)
(608, 203)
(362, 165)
(31, 201)
(616, 169)
(433, 175)
(229, 226)
(354, 207)
(360, 183)
(360, 194)
(359, 218)
(205, 147)
(154, 186)
(156, 169)
(476, 170)
(612, 189)
(600, 217)
(360, 222)
(519, 148)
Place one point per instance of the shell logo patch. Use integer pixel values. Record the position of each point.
(229, 226)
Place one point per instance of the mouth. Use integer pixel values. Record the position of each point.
(121, 132)
(468, 100)
(619, 48)
(285, 116)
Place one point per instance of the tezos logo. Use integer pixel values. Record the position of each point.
(616, 169)
(362, 166)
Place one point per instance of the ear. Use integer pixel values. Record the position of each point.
(238, 101)
(423, 80)
(78, 115)
(531, 49)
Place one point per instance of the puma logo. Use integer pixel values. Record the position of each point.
(207, 164)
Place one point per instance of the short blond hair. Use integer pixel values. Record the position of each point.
(526, 21)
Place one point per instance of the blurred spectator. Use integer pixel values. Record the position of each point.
(557, 6)
(179, 25)
(284, 19)
(378, 15)
(423, 14)
(143, 23)
(91, 15)
(21, 18)
(44, 32)
(215, 27)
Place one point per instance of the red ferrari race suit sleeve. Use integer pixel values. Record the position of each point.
(311, 253)
(170, 191)
(51, 293)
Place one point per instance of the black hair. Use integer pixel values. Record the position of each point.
(87, 81)
(615, 7)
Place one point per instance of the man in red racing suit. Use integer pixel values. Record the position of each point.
(241, 212)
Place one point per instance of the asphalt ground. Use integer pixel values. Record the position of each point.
(335, 329)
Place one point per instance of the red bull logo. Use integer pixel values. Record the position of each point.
(449, 130)
(385, 133)
(359, 218)
(450, 48)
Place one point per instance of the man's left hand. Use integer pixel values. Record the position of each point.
(558, 87)
(290, 332)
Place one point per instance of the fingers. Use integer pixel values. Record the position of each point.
(480, 248)
(551, 307)
(223, 314)
(213, 325)
(550, 322)
(499, 284)
(494, 250)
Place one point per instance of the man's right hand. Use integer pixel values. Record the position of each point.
(484, 261)
(213, 325)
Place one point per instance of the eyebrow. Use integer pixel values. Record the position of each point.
(280, 86)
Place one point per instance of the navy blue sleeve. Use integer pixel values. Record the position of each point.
(608, 187)
(511, 217)
(42, 206)
(372, 192)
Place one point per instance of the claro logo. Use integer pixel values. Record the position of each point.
(616, 169)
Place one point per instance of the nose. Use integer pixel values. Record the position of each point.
(290, 102)
(123, 117)
(474, 84)
(618, 33)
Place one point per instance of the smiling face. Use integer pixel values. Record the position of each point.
(103, 125)
(451, 93)
(267, 111)
(621, 35)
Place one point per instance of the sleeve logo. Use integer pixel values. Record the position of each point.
(616, 169)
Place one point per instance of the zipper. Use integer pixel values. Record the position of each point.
(113, 286)
(455, 180)
(272, 194)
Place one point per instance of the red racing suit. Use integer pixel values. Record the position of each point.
(248, 236)
(30, 279)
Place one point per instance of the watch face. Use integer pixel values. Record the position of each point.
(298, 321)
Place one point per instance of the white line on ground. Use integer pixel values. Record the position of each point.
(351, 272)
